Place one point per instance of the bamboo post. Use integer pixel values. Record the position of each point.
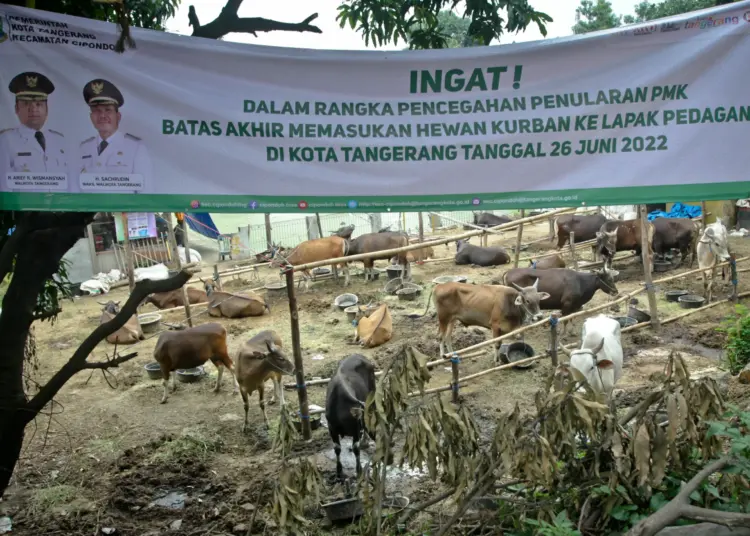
(519, 237)
(572, 244)
(553, 319)
(455, 360)
(320, 226)
(269, 241)
(704, 214)
(646, 251)
(733, 269)
(186, 301)
(217, 276)
(178, 264)
(128, 251)
(551, 222)
(299, 370)
(421, 227)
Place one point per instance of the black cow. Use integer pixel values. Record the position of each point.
(469, 254)
(584, 227)
(345, 402)
(487, 219)
(568, 290)
(675, 233)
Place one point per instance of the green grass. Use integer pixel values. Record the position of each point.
(191, 445)
(44, 500)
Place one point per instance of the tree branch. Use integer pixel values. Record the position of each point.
(228, 22)
(112, 363)
(48, 314)
(78, 361)
(680, 507)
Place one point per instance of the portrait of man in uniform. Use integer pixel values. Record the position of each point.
(29, 148)
(112, 153)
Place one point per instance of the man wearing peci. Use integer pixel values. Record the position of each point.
(122, 157)
(30, 148)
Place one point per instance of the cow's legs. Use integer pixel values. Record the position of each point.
(335, 273)
(220, 369)
(346, 275)
(174, 381)
(246, 404)
(263, 405)
(166, 386)
(355, 450)
(448, 338)
(337, 449)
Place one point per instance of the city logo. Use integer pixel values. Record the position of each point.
(252, 204)
(195, 204)
(3, 33)
(302, 205)
(352, 204)
(745, 16)
(476, 201)
(704, 23)
(669, 27)
(646, 30)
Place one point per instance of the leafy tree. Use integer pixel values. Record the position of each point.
(591, 17)
(646, 10)
(453, 29)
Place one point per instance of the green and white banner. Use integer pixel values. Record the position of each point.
(646, 113)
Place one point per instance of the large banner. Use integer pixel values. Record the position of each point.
(647, 113)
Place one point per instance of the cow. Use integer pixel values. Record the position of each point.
(498, 308)
(319, 249)
(192, 348)
(374, 242)
(259, 359)
(417, 255)
(676, 233)
(599, 359)
(584, 227)
(173, 298)
(345, 231)
(469, 254)
(129, 333)
(346, 395)
(487, 219)
(622, 235)
(712, 248)
(545, 263)
(568, 290)
(231, 305)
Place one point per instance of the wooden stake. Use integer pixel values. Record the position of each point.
(519, 237)
(572, 244)
(553, 338)
(269, 241)
(178, 263)
(551, 229)
(128, 252)
(646, 252)
(299, 370)
(704, 214)
(421, 228)
(733, 270)
(455, 360)
(320, 226)
(217, 276)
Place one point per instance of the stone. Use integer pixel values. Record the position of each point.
(176, 524)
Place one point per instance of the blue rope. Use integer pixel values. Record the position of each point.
(734, 282)
(455, 359)
(649, 286)
(303, 416)
(354, 323)
(301, 385)
(553, 321)
(454, 387)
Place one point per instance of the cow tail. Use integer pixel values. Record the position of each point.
(429, 301)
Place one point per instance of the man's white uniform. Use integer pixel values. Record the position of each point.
(121, 153)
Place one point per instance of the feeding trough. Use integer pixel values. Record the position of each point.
(461, 278)
(153, 370)
(674, 295)
(314, 422)
(190, 375)
(394, 271)
(351, 312)
(691, 301)
(321, 271)
(344, 301)
(149, 322)
(523, 247)
(275, 289)
(626, 321)
(662, 266)
(343, 509)
(517, 351)
(444, 279)
(407, 293)
(374, 273)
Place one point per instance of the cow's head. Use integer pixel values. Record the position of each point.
(461, 244)
(208, 286)
(596, 362)
(111, 307)
(605, 279)
(528, 300)
(276, 358)
(716, 238)
(606, 242)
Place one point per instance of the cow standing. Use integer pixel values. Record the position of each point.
(623, 235)
(320, 249)
(712, 248)
(346, 395)
(498, 308)
(469, 254)
(676, 233)
(374, 242)
(584, 227)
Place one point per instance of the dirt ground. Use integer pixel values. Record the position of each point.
(107, 450)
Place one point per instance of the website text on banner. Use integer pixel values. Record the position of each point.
(653, 112)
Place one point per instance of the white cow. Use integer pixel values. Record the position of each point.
(712, 249)
(599, 359)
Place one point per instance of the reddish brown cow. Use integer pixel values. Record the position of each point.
(316, 250)
(173, 298)
(191, 348)
(129, 333)
(373, 242)
(584, 227)
(621, 235)
(545, 263)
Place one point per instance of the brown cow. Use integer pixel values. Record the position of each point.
(676, 233)
(234, 305)
(129, 333)
(621, 235)
(173, 298)
(417, 255)
(316, 250)
(259, 359)
(545, 263)
(584, 227)
(373, 242)
(499, 308)
(191, 348)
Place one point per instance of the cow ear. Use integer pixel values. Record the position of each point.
(519, 300)
(543, 296)
(101, 303)
(709, 232)
(117, 303)
(271, 347)
(605, 364)
(599, 234)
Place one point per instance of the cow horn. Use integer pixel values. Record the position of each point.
(272, 347)
(520, 289)
(536, 283)
(101, 303)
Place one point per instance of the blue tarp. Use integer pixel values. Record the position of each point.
(201, 222)
(678, 210)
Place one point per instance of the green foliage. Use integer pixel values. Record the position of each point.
(417, 22)
(562, 526)
(737, 328)
(452, 28)
(646, 10)
(593, 16)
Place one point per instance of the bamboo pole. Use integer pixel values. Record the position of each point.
(269, 240)
(473, 226)
(519, 237)
(299, 369)
(421, 227)
(647, 266)
(128, 251)
(217, 276)
(703, 214)
(561, 252)
(553, 320)
(733, 270)
(186, 301)
(404, 249)
(572, 245)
